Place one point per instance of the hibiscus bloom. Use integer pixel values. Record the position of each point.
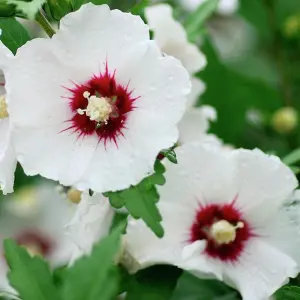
(101, 101)
(223, 218)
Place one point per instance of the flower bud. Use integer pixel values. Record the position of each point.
(291, 28)
(285, 120)
(74, 195)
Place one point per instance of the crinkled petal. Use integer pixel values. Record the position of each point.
(146, 249)
(172, 39)
(91, 222)
(260, 271)
(195, 123)
(204, 174)
(198, 88)
(264, 183)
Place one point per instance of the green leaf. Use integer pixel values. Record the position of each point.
(30, 276)
(58, 9)
(197, 18)
(288, 293)
(292, 157)
(97, 276)
(27, 8)
(140, 200)
(157, 283)
(170, 155)
(192, 288)
(13, 35)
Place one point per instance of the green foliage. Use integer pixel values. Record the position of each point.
(14, 35)
(193, 288)
(140, 200)
(157, 283)
(292, 157)
(25, 8)
(139, 8)
(58, 9)
(170, 155)
(232, 94)
(97, 276)
(288, 293)
(30, 276)
(197, 18)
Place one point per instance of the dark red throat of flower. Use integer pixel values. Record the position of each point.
(118, 97)
(229, 218)
(35, 242)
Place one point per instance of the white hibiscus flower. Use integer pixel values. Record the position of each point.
(90, 223)
(223, 217)
(8, 160)
(101, 101)
(172, 40)
(225, 7)
(35, 217)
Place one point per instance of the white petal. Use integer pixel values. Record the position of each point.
(147, 249)
(195, 123)
(261, 271)
(198, 88)
(204, 174)
(172, 39)
(91, 222)
(228, 7)
(264, 183)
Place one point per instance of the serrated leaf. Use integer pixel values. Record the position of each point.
(156, 282)
(13, 35)
(197, 18)
(288, 293)
(96, 276)
(30, 276)
(140, 200)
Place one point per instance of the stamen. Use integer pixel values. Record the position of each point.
(224, 232)
(99, 109)
(3, 108)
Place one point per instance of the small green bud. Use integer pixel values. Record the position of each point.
(291, 27)
(285, 120)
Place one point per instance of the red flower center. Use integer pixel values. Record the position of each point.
(224, 229)
(101, 106)
(35, 243)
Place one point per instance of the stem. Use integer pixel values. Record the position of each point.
(41, 19)
(278, 54)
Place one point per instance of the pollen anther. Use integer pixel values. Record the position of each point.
(224, 232)
(98, 109)
(3, 108)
